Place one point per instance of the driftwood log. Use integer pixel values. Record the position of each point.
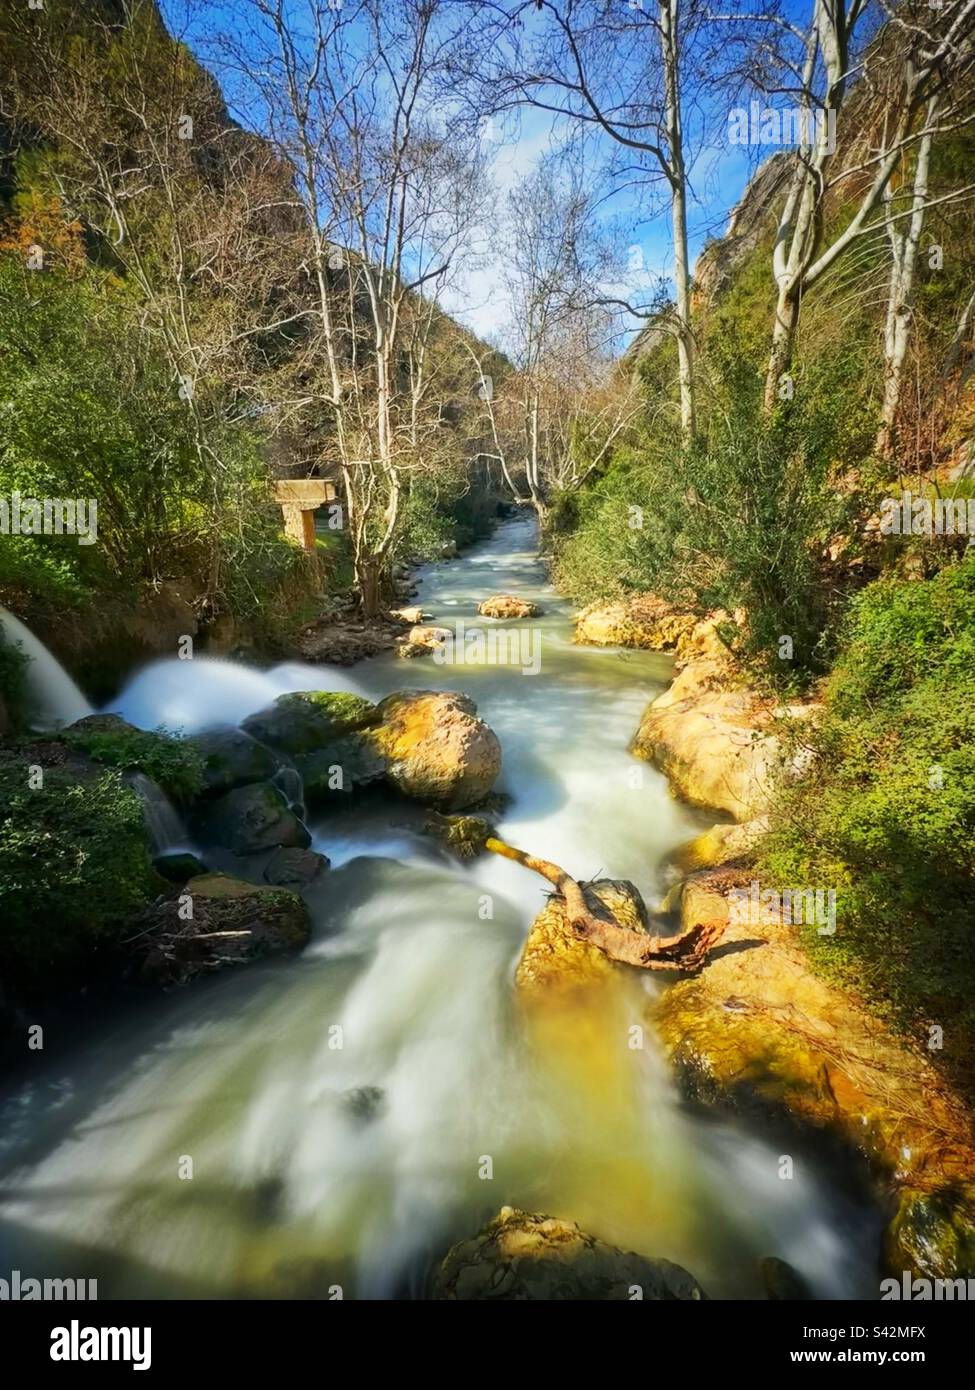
(686, 952)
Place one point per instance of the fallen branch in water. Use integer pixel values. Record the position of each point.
(686, 952)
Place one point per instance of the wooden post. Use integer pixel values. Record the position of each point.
(299, 499)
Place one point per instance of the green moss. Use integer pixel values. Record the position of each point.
(74, 867)
(306, 721)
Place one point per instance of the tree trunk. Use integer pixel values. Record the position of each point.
(678, 186)
(897, 330)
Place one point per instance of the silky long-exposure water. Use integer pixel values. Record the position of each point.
(316, 1165)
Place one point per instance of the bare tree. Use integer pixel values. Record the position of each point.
(387, 196)
(626, 74)
(922, 55)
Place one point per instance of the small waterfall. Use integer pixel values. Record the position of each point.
(165, 827)
(55, 699)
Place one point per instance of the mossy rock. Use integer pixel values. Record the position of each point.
(308, 720)
(527, 1257)
(253, 818)
(174, 764)
(463, 836)
(230, 758)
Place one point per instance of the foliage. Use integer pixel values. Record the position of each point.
(13, 680)
(171, 762)
(886, 812)
(74, 867)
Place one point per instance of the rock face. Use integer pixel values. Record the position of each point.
(308, 720)
(508, 606)
(758, 1029)
(715, 744)
(232, 759)
(644, 620)
(522, 1256)
(436, 749)
(252, 818)
(252, 921)
(553, 960)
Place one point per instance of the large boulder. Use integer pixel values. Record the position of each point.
(508, 606)
(231, 922)
(232, 759)
(307, 720)
(341, 767)
(523, 1256)
(436, 749)
(716, 750)
(253, 818)
(642, 620)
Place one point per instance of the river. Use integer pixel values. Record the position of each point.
(219, 1142)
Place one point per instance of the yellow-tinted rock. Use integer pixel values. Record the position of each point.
(756, 1025)
(508, 606)
(524, 1256)
(643, 620)
(553, 960)
(721, 844)
(435, 748)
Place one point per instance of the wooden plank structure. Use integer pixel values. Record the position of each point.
(299, 499)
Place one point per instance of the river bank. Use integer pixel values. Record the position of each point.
(760, 1029)
(296, 1185)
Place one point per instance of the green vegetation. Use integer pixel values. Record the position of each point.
(174, 763)
(13, 682)
(886, 812)
(74, 867)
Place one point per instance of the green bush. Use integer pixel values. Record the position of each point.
(171, 762)
(886, 812)
(74, 867)
(13, 681)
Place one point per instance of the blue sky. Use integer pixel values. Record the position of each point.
(643, 233)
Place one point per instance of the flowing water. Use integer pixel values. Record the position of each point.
(315, 1163)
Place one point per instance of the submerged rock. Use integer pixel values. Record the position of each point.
(435, 748)
(294, 866)
(179, 866)
(363, 1103)
(249, 819)
(232, 921)
(643, 620)
(782, 1283)
(508, 606)
(308, 720)
(523, 1256)
(231, 758)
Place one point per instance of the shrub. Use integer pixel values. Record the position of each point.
(171, 762)
(74, 867)
(886, 812)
